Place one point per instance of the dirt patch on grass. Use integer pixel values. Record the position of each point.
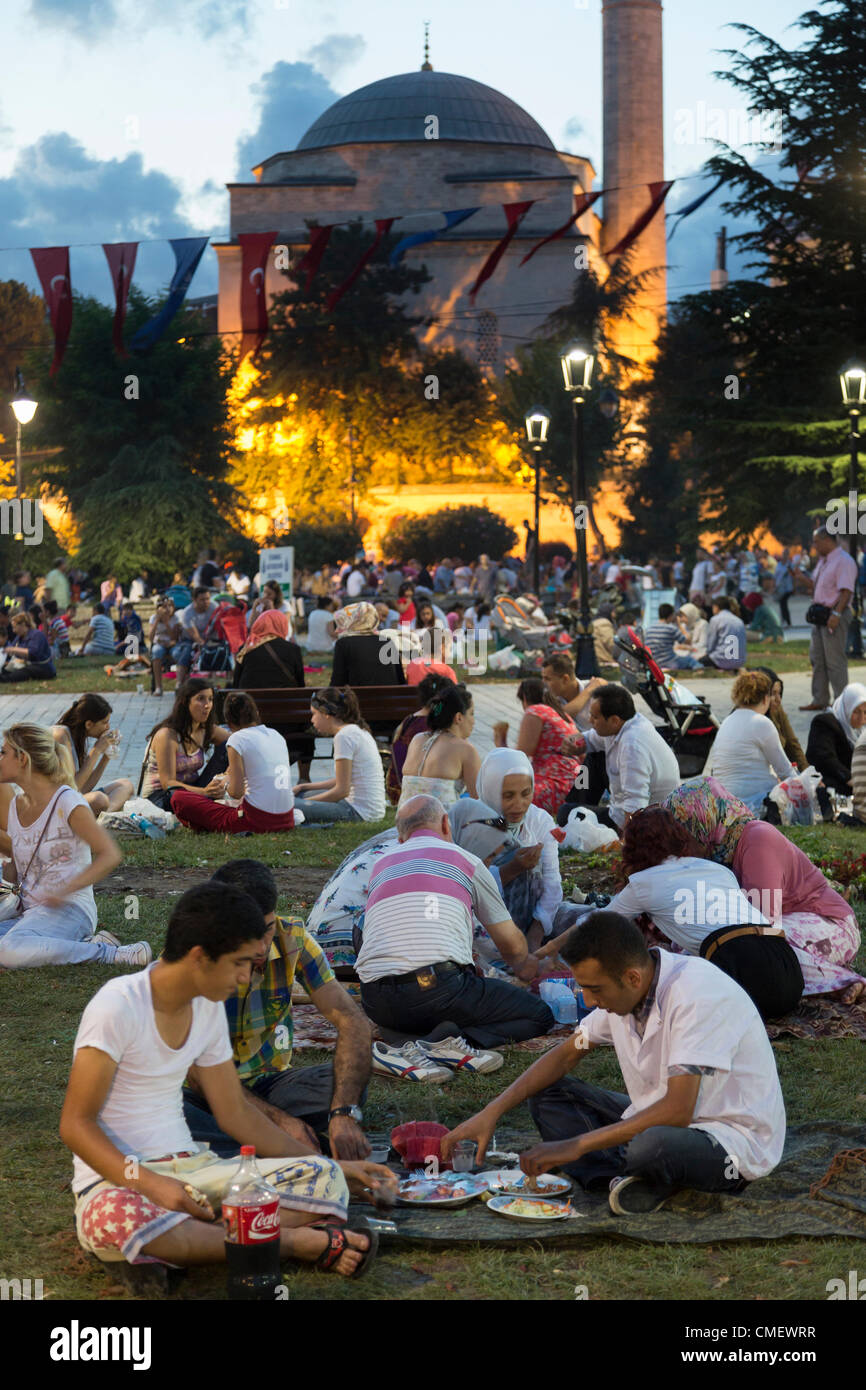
(300, 885)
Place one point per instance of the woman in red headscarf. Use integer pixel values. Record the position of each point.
(268, 658)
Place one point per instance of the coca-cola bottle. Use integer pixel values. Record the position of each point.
(251, 1216)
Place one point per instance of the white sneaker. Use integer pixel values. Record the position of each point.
(107, 936)
(457, 1055)
(407, 1063)
(139, 953)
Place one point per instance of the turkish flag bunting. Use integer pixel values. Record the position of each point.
(312, 258)
(52, 267)
(383, 227)
(658, 193)
(254, 302)
(121, 263)
(582, 201)
(514, 214)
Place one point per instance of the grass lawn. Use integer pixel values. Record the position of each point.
(39, 1013)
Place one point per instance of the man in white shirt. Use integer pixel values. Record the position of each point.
(144, 1189)
(356, 583)
(641, 769)
(704, 1108)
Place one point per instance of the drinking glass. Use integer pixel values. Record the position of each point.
(463, 1156)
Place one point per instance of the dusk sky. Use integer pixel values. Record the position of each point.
(124, 121)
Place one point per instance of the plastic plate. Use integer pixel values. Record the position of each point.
(546, 1210)
(512, 1182)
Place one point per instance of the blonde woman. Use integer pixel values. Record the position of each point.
(747, 756)
(58, 852)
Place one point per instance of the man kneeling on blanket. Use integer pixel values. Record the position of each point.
(145, 1191)
(704, 1107)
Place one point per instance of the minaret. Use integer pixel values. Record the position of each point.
(633, 154)
(719, 276)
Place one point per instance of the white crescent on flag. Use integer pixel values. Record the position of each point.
(253, 274)
(62, 279)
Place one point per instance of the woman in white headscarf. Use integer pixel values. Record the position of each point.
(531, 885)
(832, 736)
(337, 918)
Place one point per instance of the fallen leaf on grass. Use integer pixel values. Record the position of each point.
(722, 1279)
(789, 1264)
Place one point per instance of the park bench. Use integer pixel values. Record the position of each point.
(288, 710)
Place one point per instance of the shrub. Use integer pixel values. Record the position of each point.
(320, 543)
(453, 531)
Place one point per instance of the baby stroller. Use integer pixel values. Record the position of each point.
(688, 724)
(519, 629)
(225, 633)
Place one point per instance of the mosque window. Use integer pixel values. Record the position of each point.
(488, 341)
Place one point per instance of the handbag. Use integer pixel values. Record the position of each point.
(283, 667)
(818, 614)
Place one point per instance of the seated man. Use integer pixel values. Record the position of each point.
(641, 768)
(704, 1107)
(144, 1190)
(415, 964)
(194, 624)
(304, 1102)
(726, 637)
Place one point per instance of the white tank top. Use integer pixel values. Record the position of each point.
(61, 856)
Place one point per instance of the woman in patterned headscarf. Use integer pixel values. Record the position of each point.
(363, 656)
(794, 894)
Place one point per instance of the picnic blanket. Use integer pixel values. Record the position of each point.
(790, 1202)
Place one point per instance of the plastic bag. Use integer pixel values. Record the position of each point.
(797, 799)
(138, 805)
(583, 832)
(503, 660)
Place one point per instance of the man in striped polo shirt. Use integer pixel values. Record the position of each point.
(415, 964)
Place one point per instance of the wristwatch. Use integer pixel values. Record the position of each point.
(353, 1111)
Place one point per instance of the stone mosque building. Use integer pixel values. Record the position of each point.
(376, 153)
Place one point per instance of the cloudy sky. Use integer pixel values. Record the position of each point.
(124, 121)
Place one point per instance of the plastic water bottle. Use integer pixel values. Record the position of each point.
(559, 999)
(153, 832)
(251, 1217)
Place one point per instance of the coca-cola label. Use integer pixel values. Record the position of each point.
(252, 1225)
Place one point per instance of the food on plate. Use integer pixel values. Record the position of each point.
(537, 1209)
(443, 1189)
(508, 1180)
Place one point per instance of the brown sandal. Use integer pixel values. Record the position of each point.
(338, 1245)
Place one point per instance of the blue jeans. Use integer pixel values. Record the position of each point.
(686, 663)
(51, 936)
(181, 655)
(325, 812)
(667, 1156)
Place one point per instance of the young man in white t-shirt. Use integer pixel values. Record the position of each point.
(145, 1191)
(704, 1108)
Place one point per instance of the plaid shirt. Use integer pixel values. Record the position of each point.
(260, 1020)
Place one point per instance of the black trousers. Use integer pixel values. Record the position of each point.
(764, 966)
(591, 794)
(668, 1156)
(486, 1012)
(784, 609)
(304, 1092)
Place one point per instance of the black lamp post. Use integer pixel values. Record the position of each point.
(537, 424)
(577, 365)
(853, 381)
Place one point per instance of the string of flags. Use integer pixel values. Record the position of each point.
(52, 267)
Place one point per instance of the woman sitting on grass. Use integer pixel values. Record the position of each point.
(179, 745)
(89, 717)
(259, 778)
(818, 923)
(268, 657)
(442, 762)
(832, 737)
(542, 729)
(357, 789)
(99, 637)
(747, 756)
(530, 879)
(58, 852)
(31, 646)
(413, 724)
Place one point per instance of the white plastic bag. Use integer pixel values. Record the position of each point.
(137, 805)
(502, 660)
(583, 832)
(796, 798)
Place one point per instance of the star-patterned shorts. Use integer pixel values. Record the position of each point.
(115, 1223)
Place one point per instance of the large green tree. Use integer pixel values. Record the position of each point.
(99, 403)
(745, 413)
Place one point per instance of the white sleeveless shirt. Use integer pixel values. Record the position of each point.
(61, 857)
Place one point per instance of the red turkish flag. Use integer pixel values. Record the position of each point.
(383, 227)
(121, 263)
(52, 267)
(658, 193)
(254, 302)
(582, 201)
(514, 214)
(312, 258)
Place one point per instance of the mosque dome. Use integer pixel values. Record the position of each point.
(396, 108)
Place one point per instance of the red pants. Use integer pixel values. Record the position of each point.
(200, 813)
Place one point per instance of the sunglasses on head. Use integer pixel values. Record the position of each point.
(495, 822)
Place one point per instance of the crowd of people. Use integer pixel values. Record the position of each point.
(447, 922)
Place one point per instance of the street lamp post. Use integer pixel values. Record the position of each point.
(23, 408)
(577, 365)
(853, 382)
(537, 424)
